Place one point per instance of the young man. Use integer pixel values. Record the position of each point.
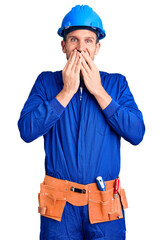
(82, 114)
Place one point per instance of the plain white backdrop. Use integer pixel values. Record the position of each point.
(29, 44)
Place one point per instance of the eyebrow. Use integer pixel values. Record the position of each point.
(77, 37)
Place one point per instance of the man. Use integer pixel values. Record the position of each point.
(82, 114)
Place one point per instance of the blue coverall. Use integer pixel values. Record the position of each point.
(81, 142)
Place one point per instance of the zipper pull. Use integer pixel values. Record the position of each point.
(81, 91)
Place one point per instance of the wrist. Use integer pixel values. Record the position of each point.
(67, 92)
(64, 97)
(103, 98)
(99, 92)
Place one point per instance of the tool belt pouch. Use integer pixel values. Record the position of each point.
(51, 204)
(104, 207)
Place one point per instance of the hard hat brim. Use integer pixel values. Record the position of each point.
(101, 34)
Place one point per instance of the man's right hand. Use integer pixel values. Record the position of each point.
(71, 73)
(71, 78)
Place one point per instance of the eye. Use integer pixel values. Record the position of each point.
(73, 39)
(88, 41)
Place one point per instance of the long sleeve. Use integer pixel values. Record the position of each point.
(124, 116)
(38, 114)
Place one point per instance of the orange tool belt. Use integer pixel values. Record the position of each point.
(54, 193)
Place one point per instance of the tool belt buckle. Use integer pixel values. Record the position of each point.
(78, 190)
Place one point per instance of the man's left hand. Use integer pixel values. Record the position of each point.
(92, 80)
(90, 74)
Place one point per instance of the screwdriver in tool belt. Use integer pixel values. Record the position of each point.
(116, 187)
(100, 183)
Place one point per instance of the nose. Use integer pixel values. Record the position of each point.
(80, 46)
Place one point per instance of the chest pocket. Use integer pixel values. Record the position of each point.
(102, 127)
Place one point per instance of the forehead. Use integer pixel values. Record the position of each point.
(82, 33)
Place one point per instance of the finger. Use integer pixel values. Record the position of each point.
(75, 61)
(67, 63)
(87, 59)
(84, 72)
(78, 65)
(71, 62)
(85, 65)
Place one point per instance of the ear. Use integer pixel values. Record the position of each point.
(98, 45)
(63, 44)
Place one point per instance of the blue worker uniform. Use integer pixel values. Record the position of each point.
(81, 142)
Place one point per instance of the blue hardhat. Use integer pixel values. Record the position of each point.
(82, 16)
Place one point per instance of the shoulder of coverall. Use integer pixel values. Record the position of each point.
(113, 77)
(49, 75)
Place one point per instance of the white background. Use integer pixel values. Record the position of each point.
(132, 47)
